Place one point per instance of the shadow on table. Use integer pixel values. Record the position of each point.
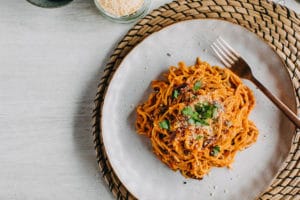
(82, 134)
(82, 123)
(82, 130)
(91, 7)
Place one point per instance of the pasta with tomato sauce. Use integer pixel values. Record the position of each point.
(197, 118)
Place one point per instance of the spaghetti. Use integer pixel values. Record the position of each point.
(197, 118)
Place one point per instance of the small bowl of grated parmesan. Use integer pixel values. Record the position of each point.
(123, 11)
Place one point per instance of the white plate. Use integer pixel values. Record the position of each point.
(131, 155)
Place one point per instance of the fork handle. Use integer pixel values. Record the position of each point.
(286, 110)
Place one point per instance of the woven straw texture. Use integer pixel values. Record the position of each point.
(275, 24)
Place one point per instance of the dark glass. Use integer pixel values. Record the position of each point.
(49, 3)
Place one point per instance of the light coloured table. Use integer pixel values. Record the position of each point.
(51, 61)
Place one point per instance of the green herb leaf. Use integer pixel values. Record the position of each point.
(208, 113)
(195, 116)
(187, 111)
(197, 85)
(215, 150)
(191, 121)
(199, 137)
(206, 110)
(198, 108)
(202, 122)
(175, 94)
(165, 124)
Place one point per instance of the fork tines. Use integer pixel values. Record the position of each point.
(225, 52)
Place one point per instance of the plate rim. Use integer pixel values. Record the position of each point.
(237, 12)
(283, 65)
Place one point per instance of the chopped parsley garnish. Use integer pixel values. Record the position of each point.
(165, 124)
(215, 150)
(200, 113)
(175, 94)
(191, 121)
(197, 85)
(206, 110)
(188, 111)
(202, 122)
(199, 137)
(194, 117)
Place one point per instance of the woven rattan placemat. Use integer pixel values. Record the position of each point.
(275, 24)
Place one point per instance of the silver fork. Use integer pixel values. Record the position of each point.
(232, 60)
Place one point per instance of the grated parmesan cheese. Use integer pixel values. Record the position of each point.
(121, 8)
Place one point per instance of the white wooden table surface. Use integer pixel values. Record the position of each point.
(51, 61)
